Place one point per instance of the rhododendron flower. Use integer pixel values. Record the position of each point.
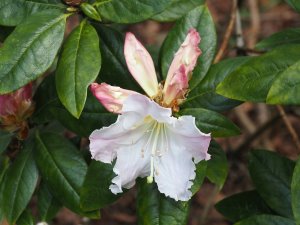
(146, 140)
(15, 108)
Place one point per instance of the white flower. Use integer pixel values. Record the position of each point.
(146, 140)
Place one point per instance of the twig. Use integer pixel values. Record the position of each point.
(255, 23)
(228, 33)
(289, 126)
(209, 204)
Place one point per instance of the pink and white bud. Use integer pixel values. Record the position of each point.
(182, 65)
(140, 65)
(111, 97)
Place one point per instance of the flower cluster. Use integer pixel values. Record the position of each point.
(146, 140)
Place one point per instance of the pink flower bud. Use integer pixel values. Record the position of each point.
(15, 108)
(185, 60)
(111, 97)
(140, 65)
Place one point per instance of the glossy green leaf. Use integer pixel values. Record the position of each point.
(272, 177)
(114, 69)
(78, 67)
(252, 81)
(212, 122)
(266, 220)
(295, 4)
(47, 205)
(177, 9)
(20, 181)
(285, 89)
(155, 208)
(288, 36)
(201, 170)
(201, 20)
(296, 192)
(94, 115)
(242, 205)
(62, 168)
(22, 56)
(130, 11)
(217, 166)
(95, 192)
(26, 219)
(13, 12)
(4, 163)
(5, 138)
(204, 94)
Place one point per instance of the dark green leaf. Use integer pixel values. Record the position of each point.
(201, 169)
(295, 4)
(20, 181)
(272, 176)
(252, 81)
(13, 12)
(266, 220)
(212, 122)
(78, 67)
(217, 166)
(114, 70)
(4, 163)
(62, 168)
(204, 94)
(286, 88)
(155, 208)
(30, 50)
(242, 205)
(177, 9)
(201, 20)
(48, 206)
(25, 219)
(95, 192)
(5, 138)
(288, 36)
(130, 11)
(296, 193)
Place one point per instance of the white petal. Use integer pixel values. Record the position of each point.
(185, 133)
(174, 173)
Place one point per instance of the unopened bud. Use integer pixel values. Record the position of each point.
(90, 11)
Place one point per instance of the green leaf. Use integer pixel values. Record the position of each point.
(177, 9)
(62, 167)
(26, 219)
(217, 166)
(201, 169)
(48, 206)
(5, 138)
(78, 67)
(114, 69)
(4, 163)
(14, 12)
(201, 20)
(204, 94)
(94, 115)
(20, 181)
(130, 11)
(252, 81)
(266, 220)
(155, 208)
(285, 89)
(30, 50)
(212, 122)
(288, 36)
(296, 192)
(272, 176)
(95, 192)
(242, 205)
(294, 4)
